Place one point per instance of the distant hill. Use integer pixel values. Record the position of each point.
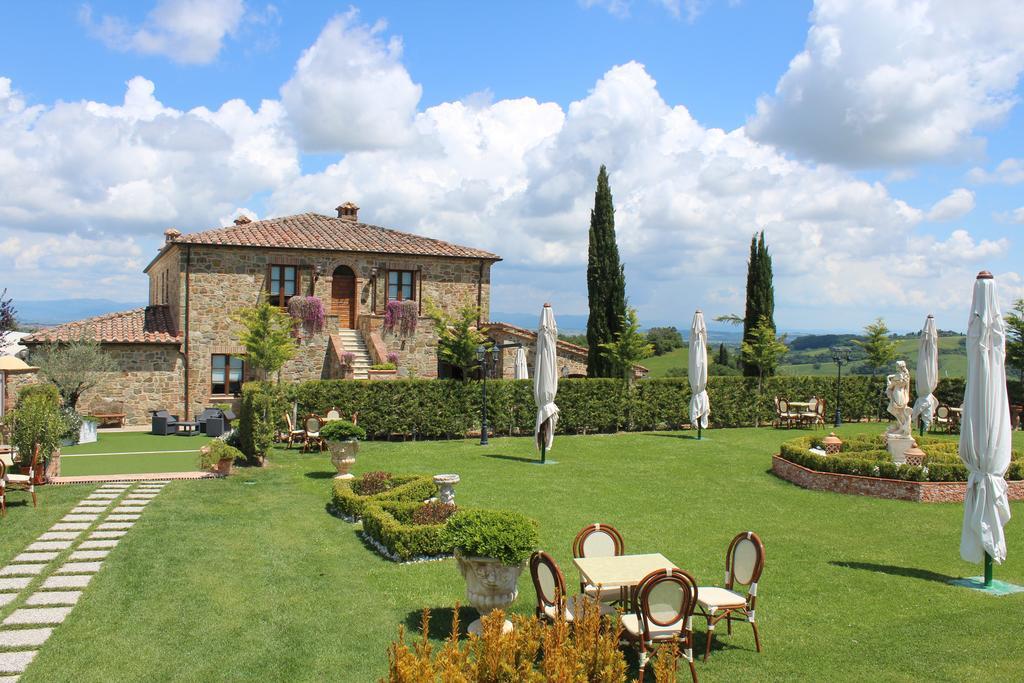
(577, 324)
(57, 311)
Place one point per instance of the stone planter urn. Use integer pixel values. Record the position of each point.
(343, 456)
(490, 585)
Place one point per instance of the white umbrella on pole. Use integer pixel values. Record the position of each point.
(545, 381)
(700, 407)
(927, 374)
(985, 431)
(521, 371)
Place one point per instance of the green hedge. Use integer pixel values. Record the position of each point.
(417, 408)
(862, 456)
(413, 488)
(391, 525)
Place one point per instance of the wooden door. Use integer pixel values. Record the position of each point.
(343, 296)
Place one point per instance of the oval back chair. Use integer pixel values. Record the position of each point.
(744, 562)
(663, 606)
(312, 426)
(599, 540)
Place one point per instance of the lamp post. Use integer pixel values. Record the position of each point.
(482, 354)
(840, 356)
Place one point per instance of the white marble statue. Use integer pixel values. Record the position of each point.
(898, 391)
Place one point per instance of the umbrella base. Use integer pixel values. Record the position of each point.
(548, 462)
(998, 588)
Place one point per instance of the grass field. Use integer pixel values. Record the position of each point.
(250, 578)
(132, 453)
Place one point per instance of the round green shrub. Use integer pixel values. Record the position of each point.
(506, 536)
(217, 450)
(342, 430)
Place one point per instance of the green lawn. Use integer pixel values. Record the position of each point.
(249, 577)
(659, 365)
(131, 453)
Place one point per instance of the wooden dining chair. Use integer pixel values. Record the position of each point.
(943, 418)
(662, 613)
(293, 434)
(786, 416)
(744, 562)
(10, 481)
(332, 414)
(600, 540)
(819, 419)
(549, 584)
(809, 416)
(311, 434)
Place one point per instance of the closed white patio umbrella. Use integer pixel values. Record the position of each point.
(545, 381)
(700, 407)
(985, 431)
(927, 374)
(521, 371)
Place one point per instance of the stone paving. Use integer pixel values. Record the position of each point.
(42, 585)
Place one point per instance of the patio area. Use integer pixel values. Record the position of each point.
(854, 588)
(132, 452)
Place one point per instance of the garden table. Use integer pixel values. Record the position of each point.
(799, 404)
(620, 570)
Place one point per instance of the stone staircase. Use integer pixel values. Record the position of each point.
(352, 340)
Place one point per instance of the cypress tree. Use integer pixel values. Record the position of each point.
(760, 298)
(723, 355)
(606, 281)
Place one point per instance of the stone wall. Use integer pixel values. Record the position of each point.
(894, 489)
(570, 360)
(15, 381)
(149, 377)
(225, 279)
(166, 285)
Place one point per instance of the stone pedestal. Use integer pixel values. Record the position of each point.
(446, 487)
(898, 446)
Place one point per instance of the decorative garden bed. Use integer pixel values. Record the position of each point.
(864, 467)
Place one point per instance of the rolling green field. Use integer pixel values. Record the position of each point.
(952, 361)
(250, 577)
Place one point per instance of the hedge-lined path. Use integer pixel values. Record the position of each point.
(41, 586)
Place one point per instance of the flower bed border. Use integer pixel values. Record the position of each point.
(877, 487)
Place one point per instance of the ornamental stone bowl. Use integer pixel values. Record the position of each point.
(490, 585)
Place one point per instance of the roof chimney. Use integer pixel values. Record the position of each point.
(243, 220)
(349, 212)
(171, 234)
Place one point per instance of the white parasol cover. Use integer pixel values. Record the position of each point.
(700, 406)
(545, 377)
(521, 371)
(927, 373)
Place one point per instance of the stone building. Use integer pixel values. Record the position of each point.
(572, 359)
(182, 351)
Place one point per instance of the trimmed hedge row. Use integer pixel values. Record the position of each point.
(391, 525)
(861, 456)
(450, 409)
(409, 488)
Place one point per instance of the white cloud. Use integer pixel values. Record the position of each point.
(95, 167)
(1008, 172)
(616, 8)
(350, 90)
(893, 83)
(186, 31)
(956, 204)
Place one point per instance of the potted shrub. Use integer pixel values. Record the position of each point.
(37, 421)
(217, 456)
(342, 439)
(491, 548)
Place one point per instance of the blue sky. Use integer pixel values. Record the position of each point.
(880, 147)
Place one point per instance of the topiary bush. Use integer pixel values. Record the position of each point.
(262, 417)
(394, 526)
(414, 488)
(342, 430)
(865, 455)
(506, 536)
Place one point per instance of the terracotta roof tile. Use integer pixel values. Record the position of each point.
(316, 231)
(150, 325)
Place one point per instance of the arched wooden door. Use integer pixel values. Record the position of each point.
(343, 296)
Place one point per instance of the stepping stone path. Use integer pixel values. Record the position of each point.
(54, 570)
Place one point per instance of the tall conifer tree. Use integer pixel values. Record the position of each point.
(606, 281)
(760, 299)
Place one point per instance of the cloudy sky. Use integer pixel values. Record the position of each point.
(880, 144)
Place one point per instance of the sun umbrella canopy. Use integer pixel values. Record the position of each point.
(521, 371)
(985, 428)
(927, 373)
(700, 406)
(545, 378)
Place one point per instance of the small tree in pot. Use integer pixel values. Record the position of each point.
(219, 456)
(342, 439)
(491, 549)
